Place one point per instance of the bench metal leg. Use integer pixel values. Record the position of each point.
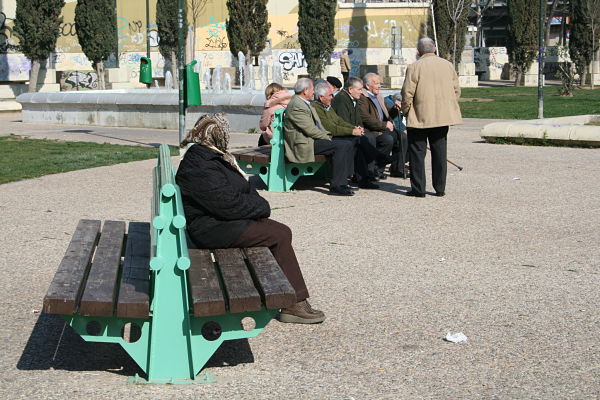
(194, 346)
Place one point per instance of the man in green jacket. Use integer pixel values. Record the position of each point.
(304, 136)
(364, 151)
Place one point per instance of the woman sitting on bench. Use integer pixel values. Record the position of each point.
(223, 211)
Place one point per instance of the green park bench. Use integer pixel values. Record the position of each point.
(269, 162)
(169, 306)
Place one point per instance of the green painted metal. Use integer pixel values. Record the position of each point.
(278, 175)
(171, 348)
(111, 331)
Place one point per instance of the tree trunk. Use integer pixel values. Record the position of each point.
(99, 66)
(548, 25)
(454, 48)
(174, 70)
(518, 76)
(190, 44)
(479, 24)
(584, 72)
(33, 76)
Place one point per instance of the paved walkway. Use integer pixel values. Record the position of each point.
(509, 257)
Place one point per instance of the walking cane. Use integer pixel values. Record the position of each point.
(450, 162)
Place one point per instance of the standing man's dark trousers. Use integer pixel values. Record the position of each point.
(384, 143)
(342, 158)
(417, 148)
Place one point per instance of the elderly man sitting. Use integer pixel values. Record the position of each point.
(341, 130)
(376, 118)
(305, 136)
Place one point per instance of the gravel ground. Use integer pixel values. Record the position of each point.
(509, 257)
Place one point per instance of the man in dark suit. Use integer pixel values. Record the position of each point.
(305, 136)
(376, 118)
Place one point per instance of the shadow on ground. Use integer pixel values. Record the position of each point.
(55, 345)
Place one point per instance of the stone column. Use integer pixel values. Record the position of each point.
(530, 78)
(466, 69)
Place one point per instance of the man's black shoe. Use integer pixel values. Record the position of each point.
(340, 191)
(351, 187)
(440, 194)
(387, 159)
(396, 174)
(366, 184)
(382, 176)
(412, 193)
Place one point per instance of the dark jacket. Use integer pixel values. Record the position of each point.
(344, 107)
(331, 121)
(218, 202)
(397, 120)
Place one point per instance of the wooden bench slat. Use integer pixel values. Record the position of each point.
(66, 287)
(134, 298)
(241, 293)
(263, 155)
(100, 292)
(276, 289)
(207, 297)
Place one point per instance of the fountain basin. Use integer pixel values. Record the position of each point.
(140, 108)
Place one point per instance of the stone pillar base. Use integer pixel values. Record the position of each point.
(468, 80)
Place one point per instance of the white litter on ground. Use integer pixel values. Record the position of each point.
(455, 337)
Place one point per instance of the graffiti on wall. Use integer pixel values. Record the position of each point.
(14, 67)
(132, 31)
(6, 35)
(78, 80)
(291, 60)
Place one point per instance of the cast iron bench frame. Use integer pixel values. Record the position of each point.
(269, 162)
(184, 302)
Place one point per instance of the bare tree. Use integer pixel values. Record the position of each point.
(481, 6)
(195, 7)
(457, 11)
(592, 10)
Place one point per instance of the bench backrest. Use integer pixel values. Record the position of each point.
(168, 218)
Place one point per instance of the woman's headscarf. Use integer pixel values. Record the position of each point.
(211, 131)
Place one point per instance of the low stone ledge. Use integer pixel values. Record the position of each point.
(144, 108)
(564, 130)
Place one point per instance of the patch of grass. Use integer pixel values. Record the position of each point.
(24, 158)
(521, 103)
(594, 123)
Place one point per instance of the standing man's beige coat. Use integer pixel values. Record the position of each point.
(430, 93)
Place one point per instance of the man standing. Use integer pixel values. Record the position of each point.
(305, 136)
(376, 118)
(429, 94)
(345, 65)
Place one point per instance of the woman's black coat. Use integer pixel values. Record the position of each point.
(218, 202)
